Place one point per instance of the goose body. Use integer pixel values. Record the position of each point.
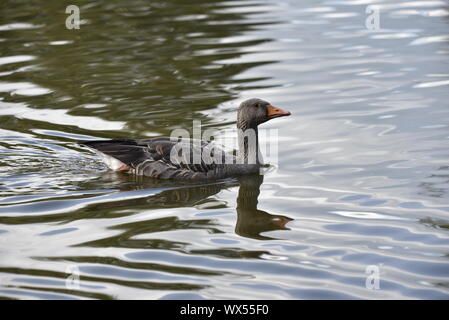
(166, 158)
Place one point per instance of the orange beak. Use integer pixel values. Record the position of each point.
(275, 112)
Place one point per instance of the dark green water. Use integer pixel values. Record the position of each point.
(362, 178)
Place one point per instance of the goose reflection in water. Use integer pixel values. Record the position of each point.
(251, 222)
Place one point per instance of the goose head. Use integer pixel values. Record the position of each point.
(253, 112)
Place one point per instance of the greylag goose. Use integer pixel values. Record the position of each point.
(168, 158)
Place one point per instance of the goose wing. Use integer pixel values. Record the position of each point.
(162, 157)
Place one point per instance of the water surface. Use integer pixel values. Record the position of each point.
(362, 179)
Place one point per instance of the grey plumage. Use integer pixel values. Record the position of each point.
(160, 157)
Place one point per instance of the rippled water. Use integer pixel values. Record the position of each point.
(363, 173)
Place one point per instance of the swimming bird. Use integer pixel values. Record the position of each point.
(189, 159)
